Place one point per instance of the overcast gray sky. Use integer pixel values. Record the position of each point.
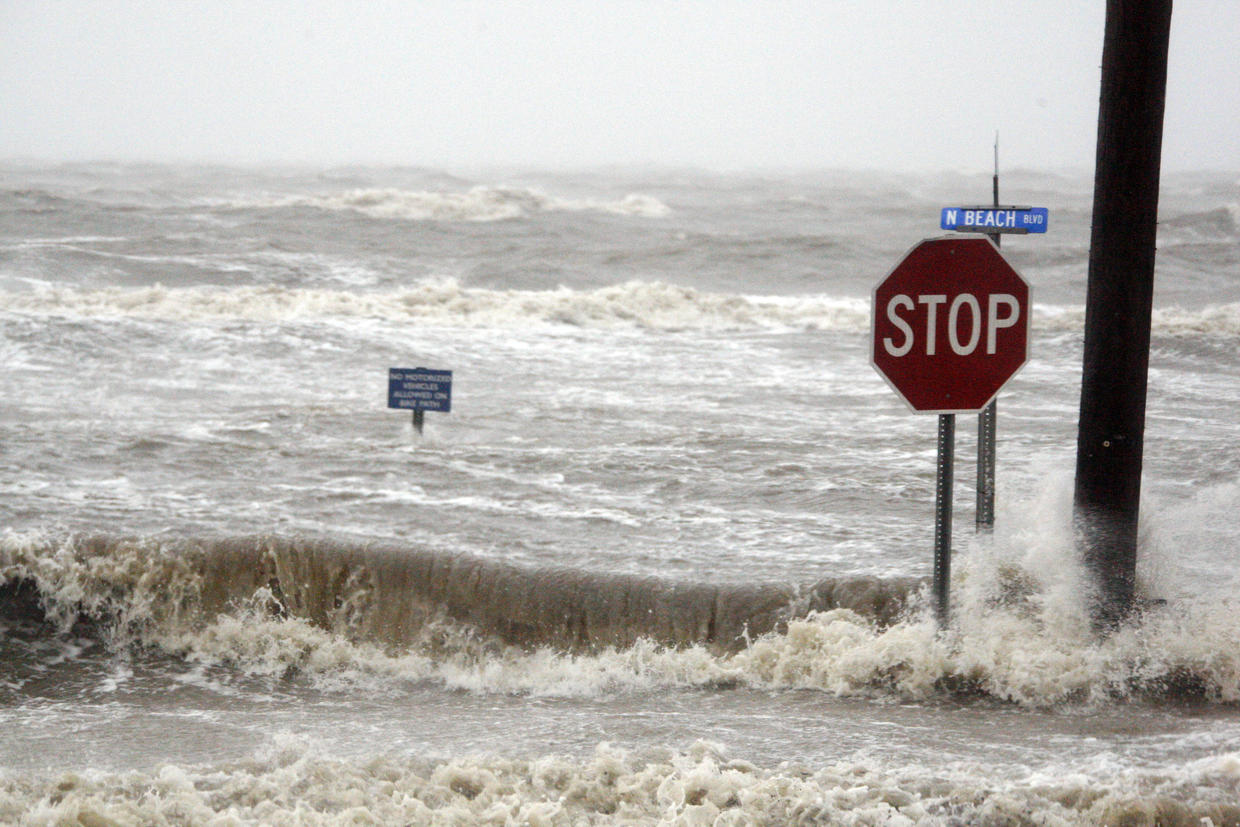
(887, 84)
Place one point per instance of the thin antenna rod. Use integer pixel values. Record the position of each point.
(996, 178)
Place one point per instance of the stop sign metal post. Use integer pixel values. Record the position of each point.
(995, 221)
(950, 326)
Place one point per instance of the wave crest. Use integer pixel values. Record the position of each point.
(359, 613)
(651, 305)
(477, 204)
(634, 304)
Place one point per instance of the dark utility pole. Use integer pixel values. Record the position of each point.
(1120, 297)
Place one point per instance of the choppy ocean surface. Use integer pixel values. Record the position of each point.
(665, 560)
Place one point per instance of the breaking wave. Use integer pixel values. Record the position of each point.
(634, 304)
(652, 305)
(1216, 224)
(480, 204)
(344, 611)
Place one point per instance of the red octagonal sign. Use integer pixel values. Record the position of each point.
(950, 324)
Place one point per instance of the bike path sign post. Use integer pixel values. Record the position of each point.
(420, 390)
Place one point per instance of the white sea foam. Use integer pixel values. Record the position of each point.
(632, 304)
(60, 241)
(639, 304)
(480, 203)
(293, 782)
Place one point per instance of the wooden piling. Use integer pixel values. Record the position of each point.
(1111, 434)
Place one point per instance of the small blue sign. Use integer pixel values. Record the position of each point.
(420, 389)
(995, 219)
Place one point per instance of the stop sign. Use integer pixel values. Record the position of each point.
(950, 324)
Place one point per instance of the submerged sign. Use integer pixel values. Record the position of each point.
(420, 389)
(995, 219)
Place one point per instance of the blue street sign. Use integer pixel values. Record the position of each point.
(995, 219)
(420, 389)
